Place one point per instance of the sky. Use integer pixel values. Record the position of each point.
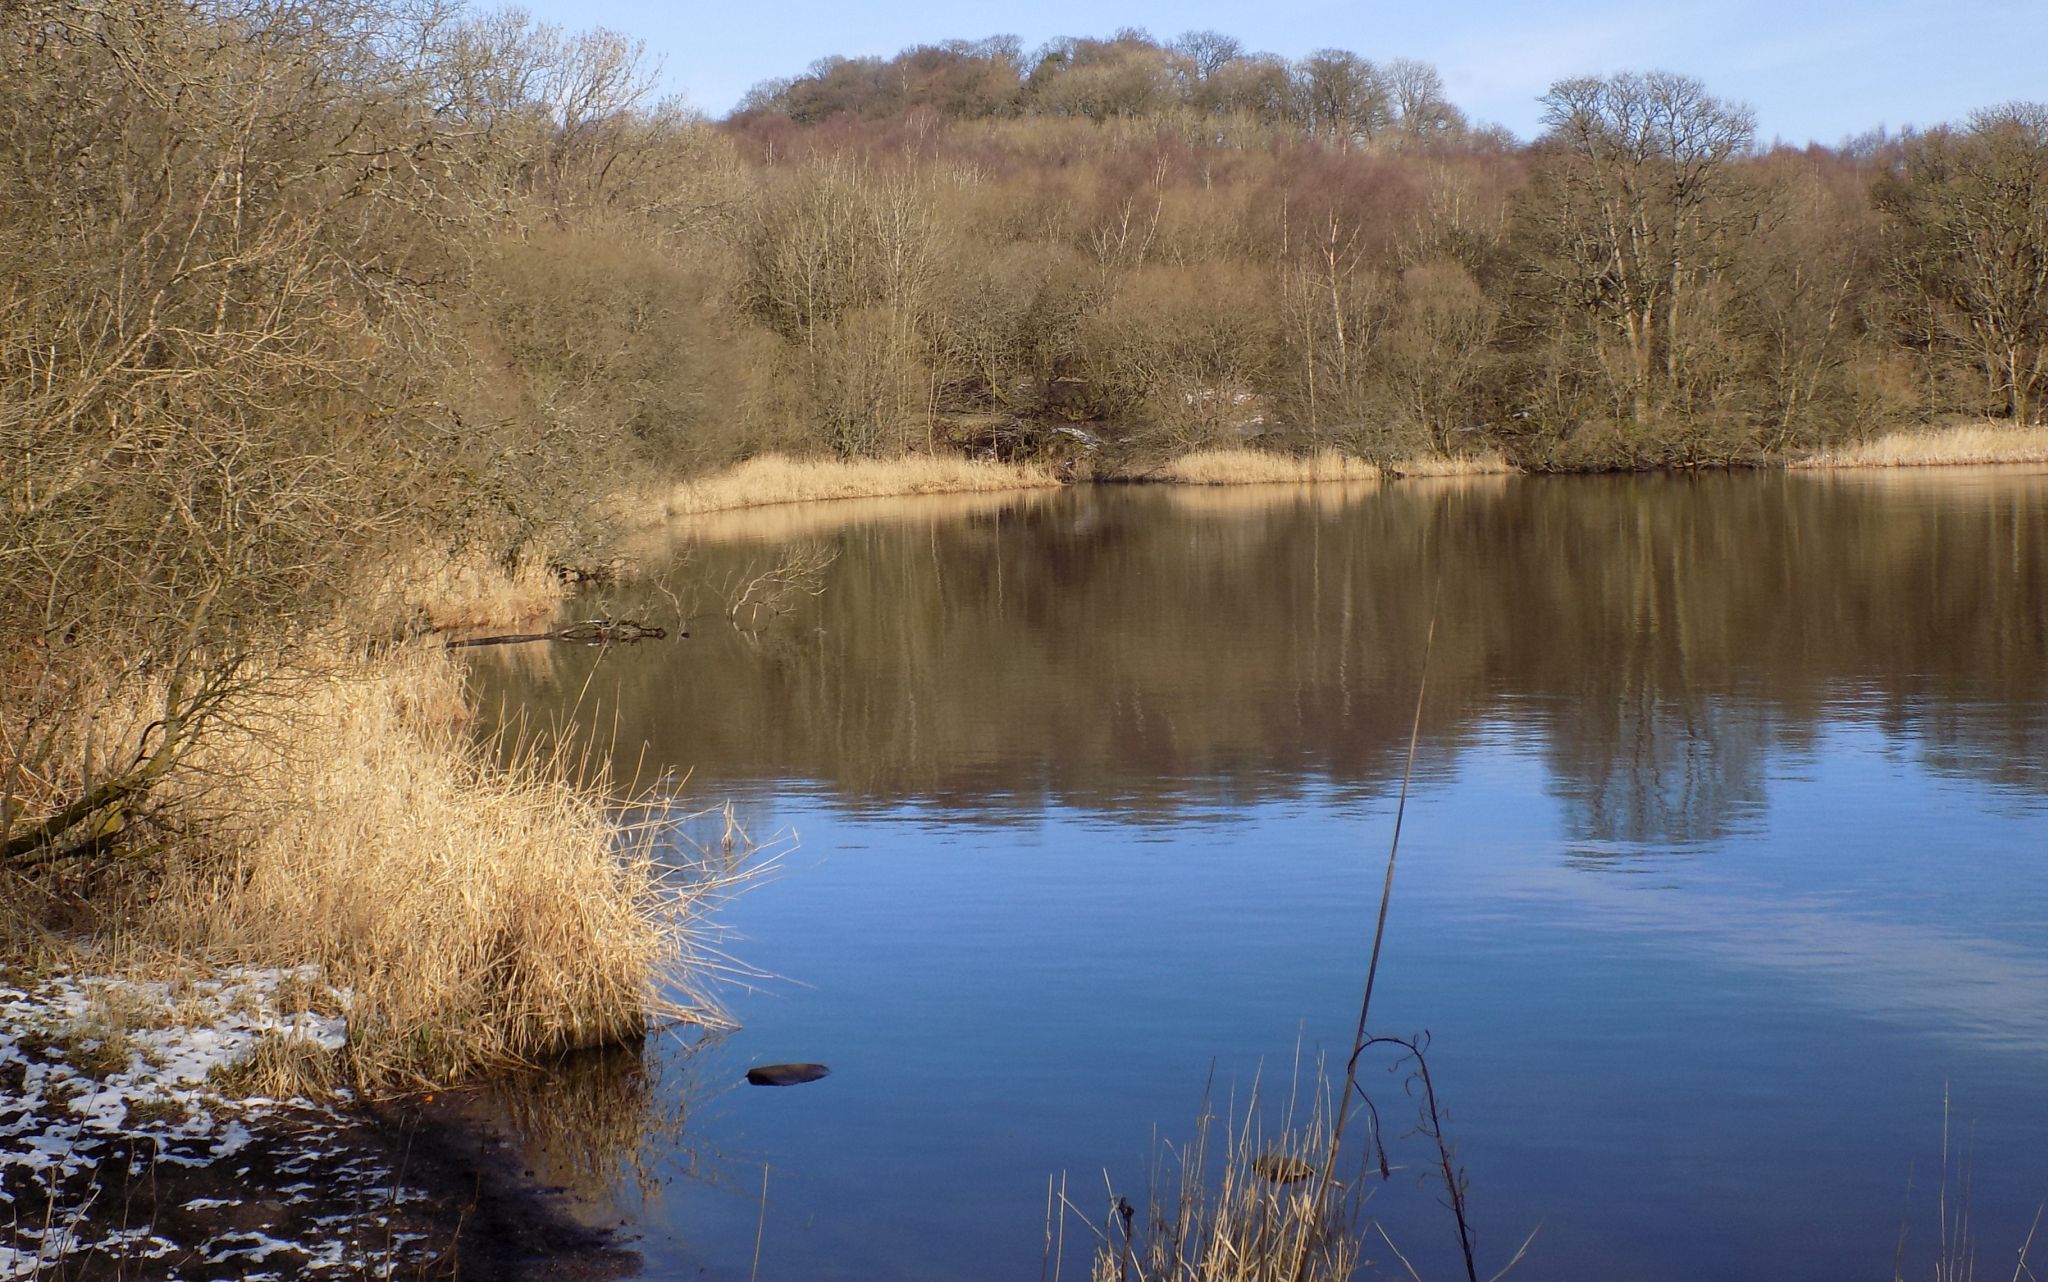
(1814, 70)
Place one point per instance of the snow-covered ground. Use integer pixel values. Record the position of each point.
(121, 1153)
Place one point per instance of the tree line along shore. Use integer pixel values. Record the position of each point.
(329, 323)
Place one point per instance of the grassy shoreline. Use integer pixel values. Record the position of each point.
(1964, 444)
(776, 480)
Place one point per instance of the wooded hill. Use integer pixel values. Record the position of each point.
(1191, 244)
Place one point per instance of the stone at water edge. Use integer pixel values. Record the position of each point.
(786, 1074)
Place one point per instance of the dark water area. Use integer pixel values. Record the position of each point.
(1725, 869)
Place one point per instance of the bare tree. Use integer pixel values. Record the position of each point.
(1421, 108)
(1207, 52)
(1342, 97)
(221, 228)
(1636, 175)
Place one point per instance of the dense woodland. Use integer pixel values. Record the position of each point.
(287, 286)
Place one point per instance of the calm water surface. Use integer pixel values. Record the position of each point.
(1726, 863)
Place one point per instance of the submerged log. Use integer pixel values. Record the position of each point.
(609, 632)
(588, 632)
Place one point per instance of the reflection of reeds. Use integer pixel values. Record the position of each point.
(595, 1123)
(1218, 501)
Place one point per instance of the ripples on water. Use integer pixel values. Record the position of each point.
(1728, 857)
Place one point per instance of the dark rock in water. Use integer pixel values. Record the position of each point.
(786, 1074)
(1281, 1168)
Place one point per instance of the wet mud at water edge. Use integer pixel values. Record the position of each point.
(312, 1192)
(1723, 885)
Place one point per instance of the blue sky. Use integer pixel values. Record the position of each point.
(1812, 70)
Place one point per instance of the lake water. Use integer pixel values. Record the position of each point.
(1725, 865)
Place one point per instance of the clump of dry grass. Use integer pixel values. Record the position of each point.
(1962, 444)
(778, 478)
(1262, 467)
(479, 915)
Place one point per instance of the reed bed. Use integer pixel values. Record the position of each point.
(478, 907)
(778, 478)
(1484, 463)
(1959, 445)
(480, 914)
(1261, 467)
(788, 523)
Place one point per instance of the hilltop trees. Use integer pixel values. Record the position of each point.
(1332, 95)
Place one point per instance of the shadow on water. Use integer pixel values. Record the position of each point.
(560, 1161)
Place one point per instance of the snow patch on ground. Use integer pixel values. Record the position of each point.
(110, 1089)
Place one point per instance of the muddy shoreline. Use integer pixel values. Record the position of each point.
(127, 1153)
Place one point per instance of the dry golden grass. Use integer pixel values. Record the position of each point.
(1962, 444)
(783, 524)
(480, 915)
(1264, 1216)
(1486, 463)
(1261, 467)
(725, 499)
(460, 591)
(777, 478)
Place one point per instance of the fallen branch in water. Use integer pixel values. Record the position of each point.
(588, 632)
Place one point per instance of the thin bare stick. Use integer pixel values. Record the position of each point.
(1379, 932)
(1516, 1258)
(760, 1226)
(1381, 1229)
(2020, 1269)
